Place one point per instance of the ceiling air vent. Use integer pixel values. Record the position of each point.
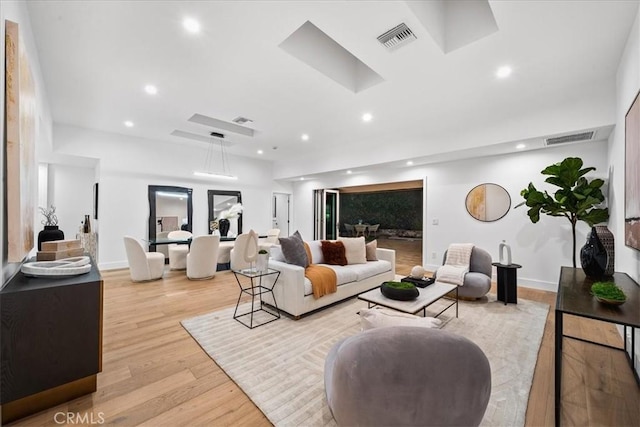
(396, 37)
(242, 120)
(584, 136)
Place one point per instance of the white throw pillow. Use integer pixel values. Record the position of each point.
(354, 250)
(379, 317)
(275, 253)
(315, 247)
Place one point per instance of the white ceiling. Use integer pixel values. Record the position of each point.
(96, 57)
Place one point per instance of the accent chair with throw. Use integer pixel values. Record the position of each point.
(477, 281)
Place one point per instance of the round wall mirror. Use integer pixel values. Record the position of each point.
(488, 202)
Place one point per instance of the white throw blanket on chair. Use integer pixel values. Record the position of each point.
(456, 265)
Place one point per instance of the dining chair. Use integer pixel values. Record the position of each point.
(143, 266)
(272, 236)
(245, 250)
(373, 229)
(178, 253)
(348, 228)
(361, 229)
(202, 259)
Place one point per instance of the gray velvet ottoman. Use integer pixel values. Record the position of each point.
(407, 376)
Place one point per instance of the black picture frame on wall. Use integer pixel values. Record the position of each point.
(95, 200)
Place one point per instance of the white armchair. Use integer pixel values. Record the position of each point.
(272, 236)
(244, 250)
(143, 266)
(202, 259)
(178, 253)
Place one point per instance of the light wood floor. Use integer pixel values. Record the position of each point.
(155, 374)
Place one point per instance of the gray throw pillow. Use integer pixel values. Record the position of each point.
(293, 250)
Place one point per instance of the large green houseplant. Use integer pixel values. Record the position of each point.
(576, 199)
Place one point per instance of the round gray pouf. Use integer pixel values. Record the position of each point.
(407, 376)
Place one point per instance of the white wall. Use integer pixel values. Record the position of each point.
(627, 86)
(16, 11)
(128, 165)
(540, 248)
(72, 195)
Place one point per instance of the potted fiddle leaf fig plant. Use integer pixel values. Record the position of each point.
(576, 198)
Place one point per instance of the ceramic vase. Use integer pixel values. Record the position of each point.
(262, 263)
(224, 225)
(597, 256)
(49, 234)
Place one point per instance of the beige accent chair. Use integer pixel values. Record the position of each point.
(143, 266)
(202, 259)
(245, 250)
(178, 253)
(272, 236)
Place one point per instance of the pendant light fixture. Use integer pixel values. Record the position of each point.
(209, 170)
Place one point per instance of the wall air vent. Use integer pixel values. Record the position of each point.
(574, 137)
(396, 37)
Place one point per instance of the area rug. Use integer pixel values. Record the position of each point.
(280, 365)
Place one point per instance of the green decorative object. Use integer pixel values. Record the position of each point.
(608, 293)
(401, 291)
(576, 199)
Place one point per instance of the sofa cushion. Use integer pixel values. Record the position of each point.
(364, 271)
(293, 250)
(344, 274)
(315, 247)
(354, 249)
(334, 253)
(371, 249)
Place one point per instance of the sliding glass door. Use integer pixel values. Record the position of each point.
(326, 214)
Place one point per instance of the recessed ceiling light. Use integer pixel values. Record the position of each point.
(305, 137)
(366, 117)
(151, 89)
(128, 123)
(520, 146)
(349, 172)
(260, 151)
(504, 71)
(191, 25)
(302, 178)
(409, 163)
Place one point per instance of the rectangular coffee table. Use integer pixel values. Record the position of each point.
(428, 296)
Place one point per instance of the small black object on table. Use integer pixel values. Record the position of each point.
(421, 283)
(507, 282)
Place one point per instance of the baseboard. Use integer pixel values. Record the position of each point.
(116, 265)
(522, 281)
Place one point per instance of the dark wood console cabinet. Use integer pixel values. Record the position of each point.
(51, 341)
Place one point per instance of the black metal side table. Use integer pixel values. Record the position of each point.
(256, 288)
(507, 282)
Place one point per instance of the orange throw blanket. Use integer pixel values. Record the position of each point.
(323, 279)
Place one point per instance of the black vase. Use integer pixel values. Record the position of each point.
(50, 233)
(597, 256)
(224, 226)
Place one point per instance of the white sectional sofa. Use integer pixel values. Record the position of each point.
(293, 290)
